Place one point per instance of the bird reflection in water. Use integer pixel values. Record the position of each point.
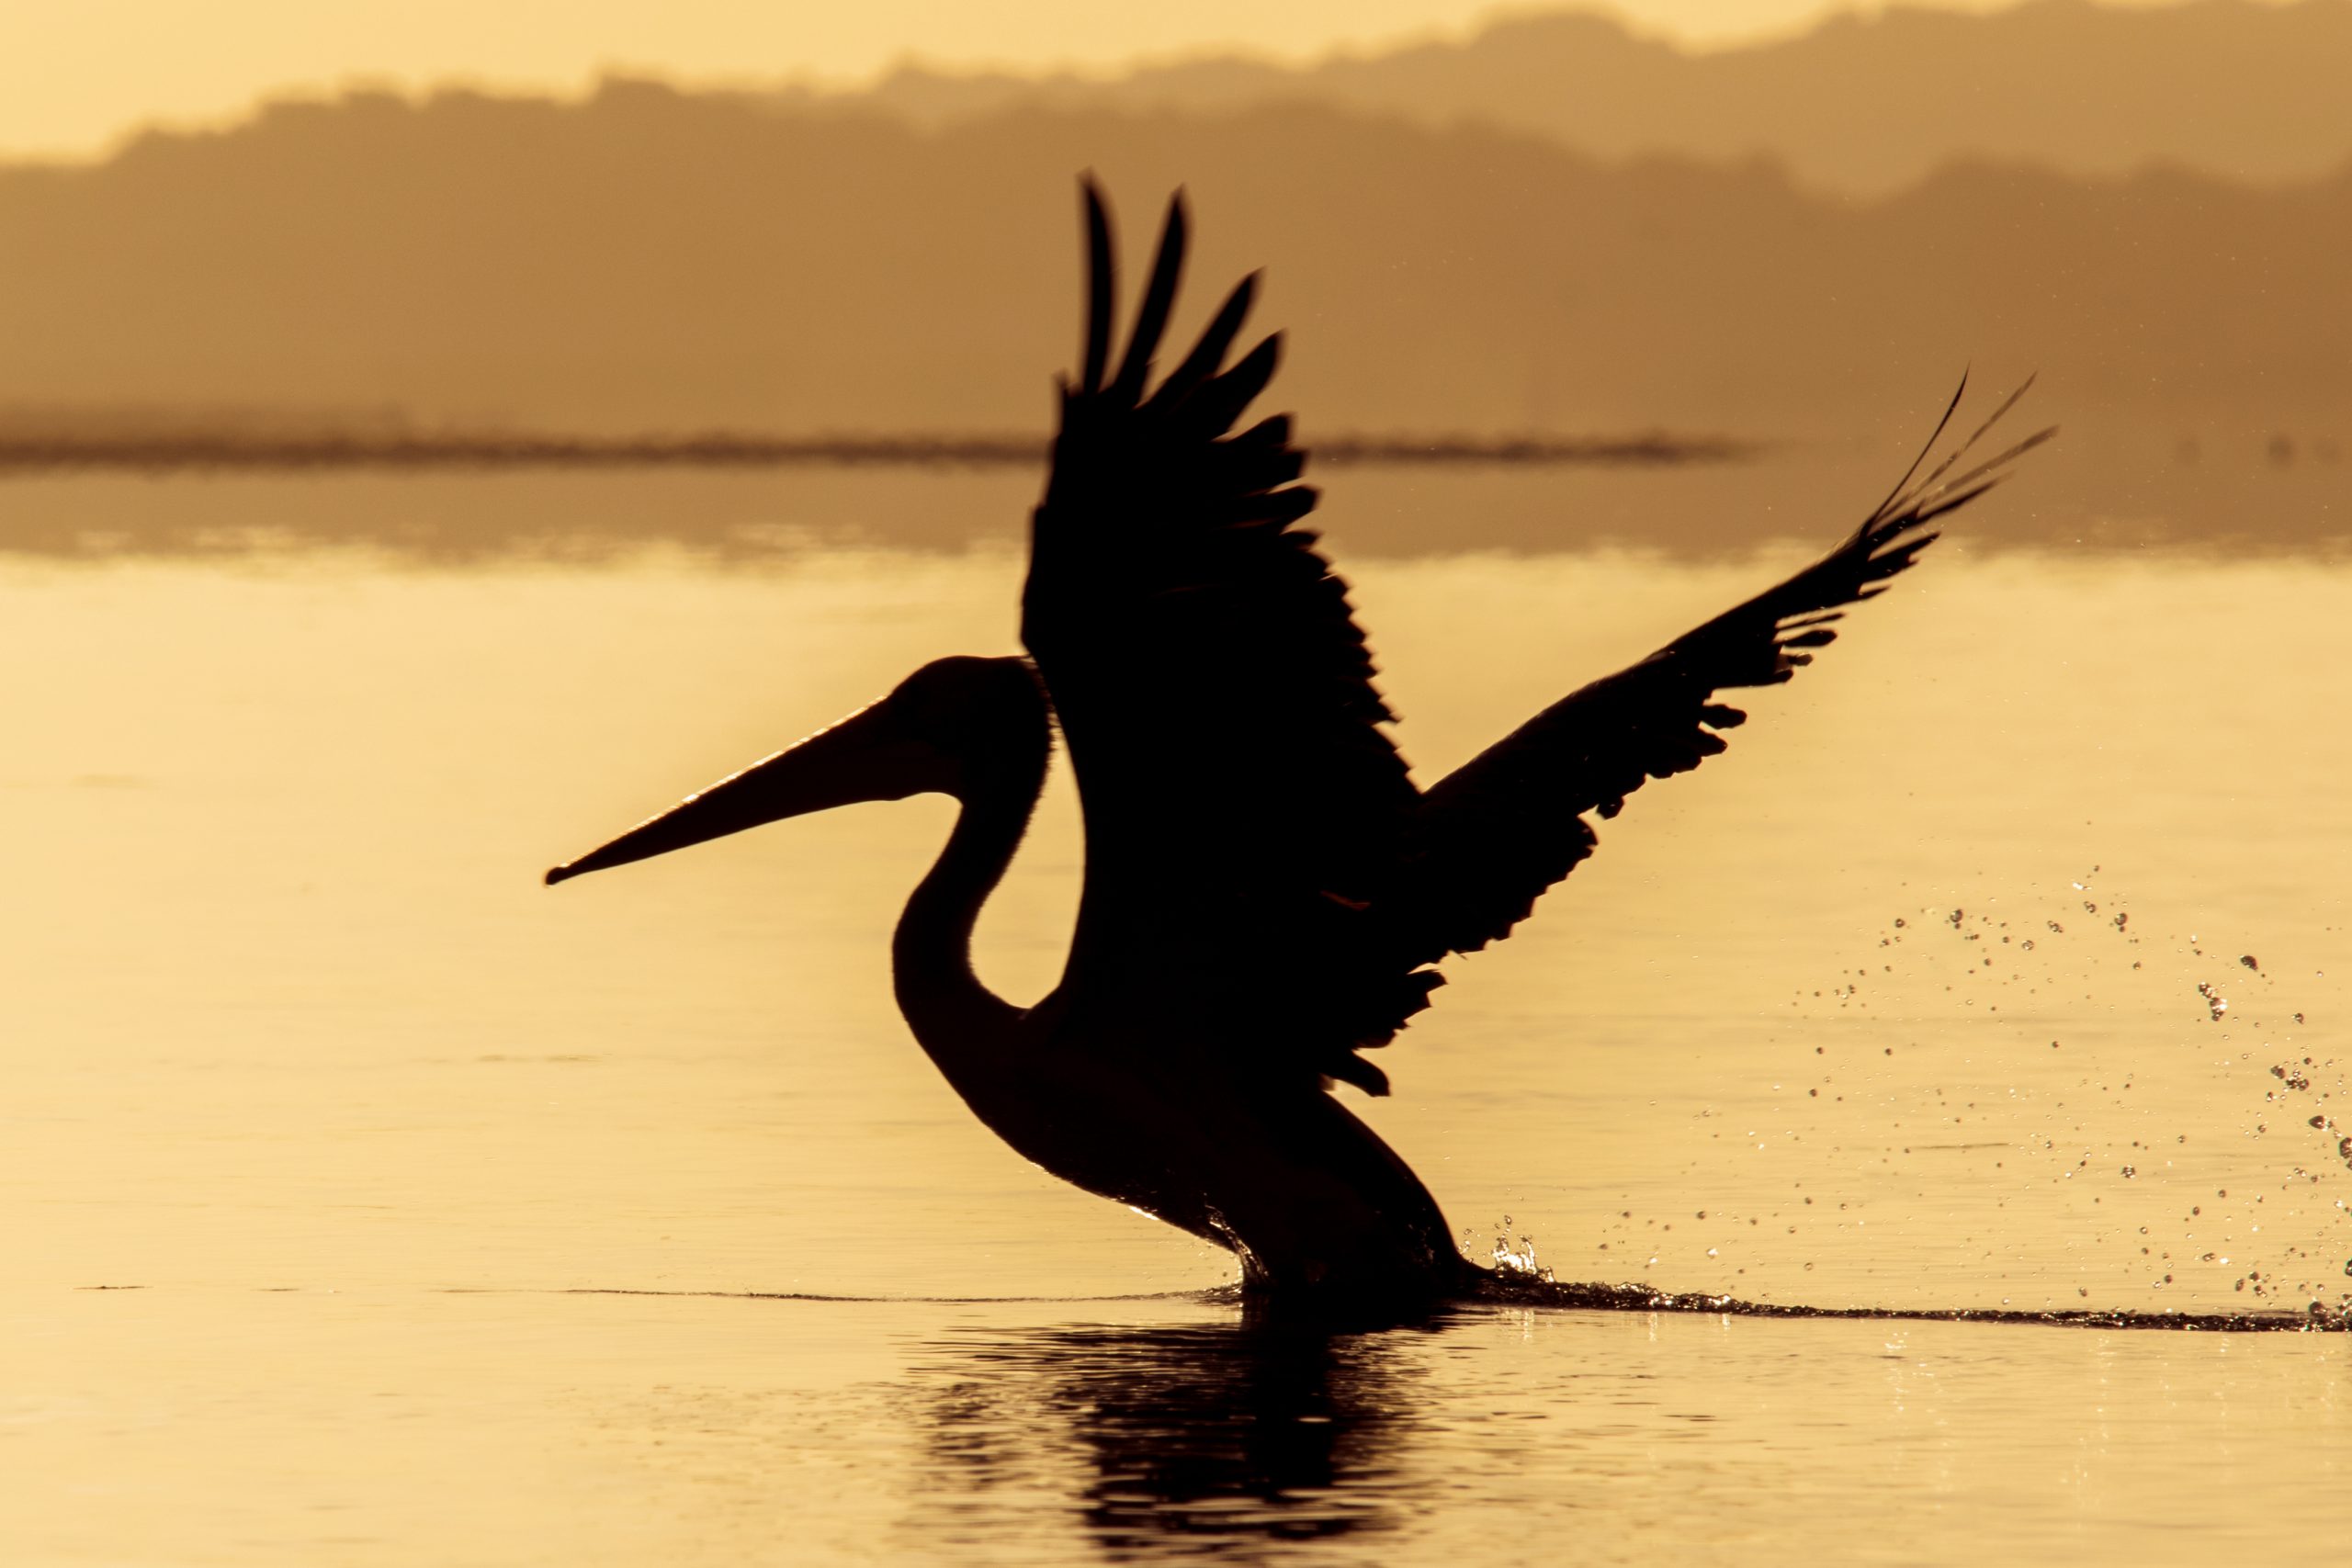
(1212, 1435)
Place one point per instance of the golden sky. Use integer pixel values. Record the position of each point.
(76, 76)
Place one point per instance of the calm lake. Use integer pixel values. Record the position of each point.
(368, 1202)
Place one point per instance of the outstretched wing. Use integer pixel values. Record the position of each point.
(1243, 809)
(1493, 834)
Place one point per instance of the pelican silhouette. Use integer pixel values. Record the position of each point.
(1266, 892)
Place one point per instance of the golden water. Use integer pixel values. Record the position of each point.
(330, 1136)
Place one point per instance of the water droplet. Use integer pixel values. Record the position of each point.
(2128, 1172)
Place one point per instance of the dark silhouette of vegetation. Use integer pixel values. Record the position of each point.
(177, 453)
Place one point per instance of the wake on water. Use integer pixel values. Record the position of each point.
(1509, 1287)
(1533, 1290)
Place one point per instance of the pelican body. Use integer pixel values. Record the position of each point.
(1267, 893)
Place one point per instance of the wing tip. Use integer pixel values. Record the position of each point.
(1101, 283)
(1159, 301)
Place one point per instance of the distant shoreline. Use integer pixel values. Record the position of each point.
(42, 454)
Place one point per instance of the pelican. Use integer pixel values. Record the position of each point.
(1267, 894)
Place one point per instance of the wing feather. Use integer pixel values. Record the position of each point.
(1493, 835)
(1265, 889)
(1242, 806)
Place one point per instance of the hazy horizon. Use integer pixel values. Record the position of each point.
(654, 261)
(69, 94)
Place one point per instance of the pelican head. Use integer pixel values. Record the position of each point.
(954, 725)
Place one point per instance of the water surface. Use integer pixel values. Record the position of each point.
(369, 1202)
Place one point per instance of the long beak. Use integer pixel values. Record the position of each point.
(865, 756)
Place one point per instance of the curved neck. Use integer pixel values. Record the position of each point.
(958, 1020)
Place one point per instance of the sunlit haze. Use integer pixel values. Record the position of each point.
(75, 79)
(437, 435)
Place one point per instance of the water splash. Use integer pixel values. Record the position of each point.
(1515, 1262)
(1975, 958)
